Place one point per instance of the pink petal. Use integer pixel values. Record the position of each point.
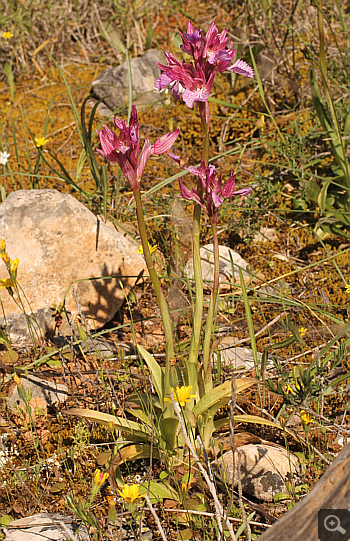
(176, 159)
(192, 170)
(229, 189)
(217, 200)
(165, 142)
(242, 68)
(128, 171)
(244, 191)
(185, 192)
(144, 156)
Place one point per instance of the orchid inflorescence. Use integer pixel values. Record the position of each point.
(124, 148)
(213, 191)
(210, 56)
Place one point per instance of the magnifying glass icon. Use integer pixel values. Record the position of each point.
(332, 524)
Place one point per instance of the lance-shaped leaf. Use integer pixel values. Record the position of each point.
(220, 396)
(119, 423)
(155, 370)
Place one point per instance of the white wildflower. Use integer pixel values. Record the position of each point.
(4, 156)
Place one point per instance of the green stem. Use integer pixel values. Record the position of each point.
(191, 365)
(207, 372)
(163, 305)
(324, 74)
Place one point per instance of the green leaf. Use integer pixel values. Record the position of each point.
(281, 496)
(321, 200)
(184, 535)
(133, 452)
(159, 491)
(5, 520)
(58, 487)
(242, 527)
(54, 363)
(10, 80)
(103, 458)
(255, 419)
(221, 394)
(10, 356)
(168, 427)
(124, 425)
(155, 370)
(4, 338)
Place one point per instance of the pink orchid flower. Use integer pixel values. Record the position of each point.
(214, 193)
(209, 56)
(124, 148)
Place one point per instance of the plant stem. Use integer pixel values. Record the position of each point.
(191, 365)
(207, 372)
(163, 305)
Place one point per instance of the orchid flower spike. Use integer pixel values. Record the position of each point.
(212, 53)
(214, 193)
(124, 148)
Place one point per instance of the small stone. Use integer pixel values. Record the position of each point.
(265, 234)
(264, 469)
(51, 393)
(40, 527)
(41, 325)
(238, 357)
(229, 261)
(112, 84)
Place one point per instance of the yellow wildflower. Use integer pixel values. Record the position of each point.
(181, 395)
(347, 288)
(7, 35)
(152, 249)
(2, 245)
(6, 283)
(282, 422)
(41, 141)
(302, 331)
(17, 380)
(14, 266)
(305, 417)
(288, 389)
(100, 478)
(130, 493)
(5, 257)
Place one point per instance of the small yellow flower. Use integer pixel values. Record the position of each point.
(100, 478)
(288, 389)
(302, 331)
(17, 380)
(7, 283)
(282, 422)
(2, 245)
(5, 257)
(181, 395)
(152, 249)
(130, 493)
(41, 141)
(7, 35)
(14, 266)
(347, 288)
(261, 123)
(305, 417)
